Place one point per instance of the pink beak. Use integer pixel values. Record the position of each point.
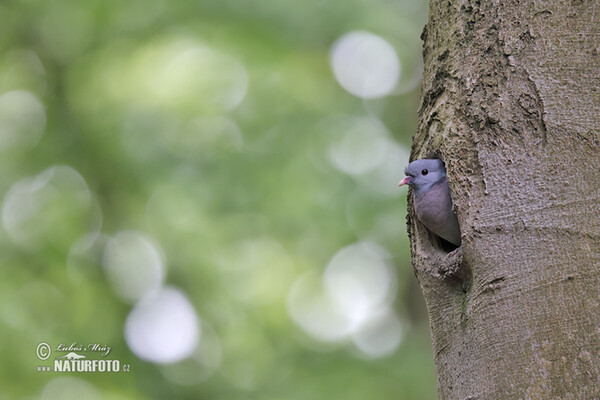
(404, 181)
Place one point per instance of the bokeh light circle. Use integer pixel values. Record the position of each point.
(359, 279)
(201, 71)
(201, 365)
(381, 334)
(22, 69)
(316, 312)
(55, 206)
(350, 301)
(133, 265)
(359, 144)
(22, 120)
(163, 328)
(365, 64)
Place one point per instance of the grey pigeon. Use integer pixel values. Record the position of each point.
(432, 201)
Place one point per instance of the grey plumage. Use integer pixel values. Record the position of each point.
(431, 198)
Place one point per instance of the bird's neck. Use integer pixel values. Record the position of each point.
(424, 188)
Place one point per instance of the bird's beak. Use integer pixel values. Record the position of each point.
(404, 181)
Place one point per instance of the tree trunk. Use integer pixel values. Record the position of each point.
(510, 103)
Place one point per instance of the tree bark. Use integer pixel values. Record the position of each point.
(510, 103)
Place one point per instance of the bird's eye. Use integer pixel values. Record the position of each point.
(424, 172)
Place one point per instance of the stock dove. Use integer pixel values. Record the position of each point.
(431, 198)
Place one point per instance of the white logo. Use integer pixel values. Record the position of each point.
(43, 351)
(72, 356)
(74, 361)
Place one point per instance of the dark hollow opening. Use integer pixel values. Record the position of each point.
(447, 246)
(443, 244)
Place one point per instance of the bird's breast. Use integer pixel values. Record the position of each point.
(434, 210)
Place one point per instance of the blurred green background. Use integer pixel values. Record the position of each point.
(210, 189)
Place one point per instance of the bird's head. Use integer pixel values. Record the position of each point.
(422, 174)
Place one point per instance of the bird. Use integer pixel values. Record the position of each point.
(431, 198)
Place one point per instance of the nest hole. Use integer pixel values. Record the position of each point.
(441, 244)
(446, 245)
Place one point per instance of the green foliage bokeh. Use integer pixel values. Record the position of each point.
(207, 127)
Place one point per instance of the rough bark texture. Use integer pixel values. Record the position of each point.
(510, 103)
